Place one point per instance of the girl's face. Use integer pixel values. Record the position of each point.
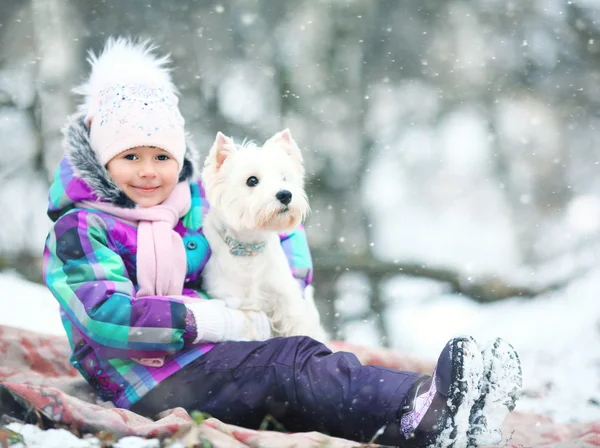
(146, 174)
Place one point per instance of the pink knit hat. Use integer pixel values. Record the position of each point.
(131, 101)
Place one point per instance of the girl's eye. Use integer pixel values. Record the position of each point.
(252, 181)
(131, 157)
(162, 157)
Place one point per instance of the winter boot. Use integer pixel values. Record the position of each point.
(437, 409)
(500, 389)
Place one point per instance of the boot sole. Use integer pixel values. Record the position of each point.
(500, 389)
(467, 372)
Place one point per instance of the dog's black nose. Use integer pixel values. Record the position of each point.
(284, 196)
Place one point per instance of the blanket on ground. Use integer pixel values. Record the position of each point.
(37, 384)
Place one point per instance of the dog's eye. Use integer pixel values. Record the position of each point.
(252, 181)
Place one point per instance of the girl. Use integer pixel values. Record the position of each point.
(124, 260)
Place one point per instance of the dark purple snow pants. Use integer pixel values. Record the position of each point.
(297, 380)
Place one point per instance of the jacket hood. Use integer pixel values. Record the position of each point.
(80, 175)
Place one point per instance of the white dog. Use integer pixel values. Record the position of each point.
(254, 194)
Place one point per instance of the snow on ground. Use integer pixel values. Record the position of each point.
(557, 336)
(28, 305)
(35, 437)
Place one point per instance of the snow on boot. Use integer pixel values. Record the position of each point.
(500, 389)
(436, 413)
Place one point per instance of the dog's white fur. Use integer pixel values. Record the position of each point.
(254, 214)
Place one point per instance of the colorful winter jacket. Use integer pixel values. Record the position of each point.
(90, 267)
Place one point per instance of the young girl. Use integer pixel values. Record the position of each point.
(124, 260)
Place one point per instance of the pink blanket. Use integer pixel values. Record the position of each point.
(35, 375)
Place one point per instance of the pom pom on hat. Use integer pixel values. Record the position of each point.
(131, 101)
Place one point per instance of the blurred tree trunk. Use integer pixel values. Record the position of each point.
(58, 58)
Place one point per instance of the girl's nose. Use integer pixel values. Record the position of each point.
(147, 170)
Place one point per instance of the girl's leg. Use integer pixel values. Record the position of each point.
(297, 380)
(305, 387)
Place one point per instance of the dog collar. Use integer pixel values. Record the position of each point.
(241, 249)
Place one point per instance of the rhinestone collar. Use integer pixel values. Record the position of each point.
(241, 249)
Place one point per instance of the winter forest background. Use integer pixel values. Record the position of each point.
(451, 146)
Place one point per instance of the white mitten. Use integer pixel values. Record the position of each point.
(215, 322)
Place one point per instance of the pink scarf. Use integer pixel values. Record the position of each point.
(161, 259)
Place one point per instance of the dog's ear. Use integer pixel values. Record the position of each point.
(283, 140)
(222, 148)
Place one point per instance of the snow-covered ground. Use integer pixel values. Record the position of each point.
(34, 437)
(28, 306)
(557, 336)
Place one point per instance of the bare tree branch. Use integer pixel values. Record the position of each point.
(482, 289)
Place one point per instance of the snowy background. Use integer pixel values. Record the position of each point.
(451, 148)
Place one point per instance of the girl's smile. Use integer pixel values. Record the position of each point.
(147, 189)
